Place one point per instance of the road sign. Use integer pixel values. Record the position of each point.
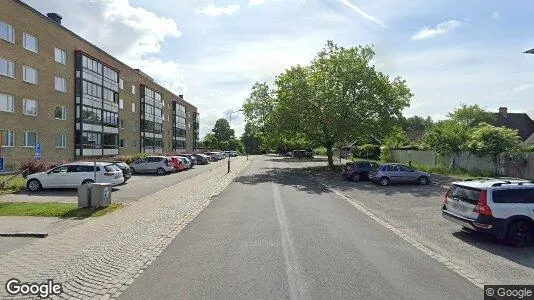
(1, 164)
(37, 151)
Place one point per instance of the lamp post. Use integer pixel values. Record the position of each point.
(230, 123)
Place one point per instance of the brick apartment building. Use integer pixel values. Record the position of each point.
(76, 100)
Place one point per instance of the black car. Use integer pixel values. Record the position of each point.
(359, 170)
(202, 159)
(126, 171)
(192, 158)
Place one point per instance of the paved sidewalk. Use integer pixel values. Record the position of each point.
(101, 258)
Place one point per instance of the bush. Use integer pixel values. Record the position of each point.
(386, 155)
(529, 148)
(367, 151)
(320, 152)
(129, 158)
(36, 166)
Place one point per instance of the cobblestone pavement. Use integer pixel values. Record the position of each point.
(101, 258)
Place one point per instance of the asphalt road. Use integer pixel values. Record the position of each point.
(275, 233)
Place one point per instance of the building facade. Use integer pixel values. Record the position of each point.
(77, 101)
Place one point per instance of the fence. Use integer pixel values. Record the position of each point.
(469, 162)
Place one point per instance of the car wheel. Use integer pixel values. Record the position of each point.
(519, 234)
(355, 177)
(88, 181)
(384, 181)
(423, 180)
(133, 170)
(34, 185)
(160, 171)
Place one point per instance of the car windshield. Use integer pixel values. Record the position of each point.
(122, 165)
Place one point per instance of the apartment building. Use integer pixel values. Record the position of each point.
(77, 101)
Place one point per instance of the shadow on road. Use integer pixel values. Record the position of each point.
(285, 176)
(522, 256)
(297, 160)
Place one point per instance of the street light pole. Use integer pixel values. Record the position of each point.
(229, 124)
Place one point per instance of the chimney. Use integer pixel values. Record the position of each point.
(503, 112)
(55, 17)
(181, 96)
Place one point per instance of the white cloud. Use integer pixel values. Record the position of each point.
(495, 15)
(256, 2)
(212, 10)
(441, 29)
(364, 14)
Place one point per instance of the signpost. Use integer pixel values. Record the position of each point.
(37, 151)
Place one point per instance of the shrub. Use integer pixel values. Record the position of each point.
(386, 155)
(529, 148)
(320, 151)
(129, 158)
(367, 151)
(36, 166)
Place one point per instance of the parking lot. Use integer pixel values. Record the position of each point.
(139, 186)
(416, 211)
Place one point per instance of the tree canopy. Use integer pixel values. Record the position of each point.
(471, 115)
(339, 97)
(446, 137)
(491, 140)
(222, 130)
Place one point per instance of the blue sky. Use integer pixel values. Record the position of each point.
(450, 52)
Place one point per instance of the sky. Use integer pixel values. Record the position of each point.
(212, 52)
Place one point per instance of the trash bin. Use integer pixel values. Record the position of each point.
(84, 195)
(100, 194)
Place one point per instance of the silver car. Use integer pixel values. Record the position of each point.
(398, 173)
(152, 164)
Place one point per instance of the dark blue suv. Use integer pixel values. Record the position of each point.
(359, 170)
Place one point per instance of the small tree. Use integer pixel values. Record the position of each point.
(471, 115)
(494, 141)
(396, 138)
(447, 137)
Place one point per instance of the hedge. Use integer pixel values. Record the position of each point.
(367, 151)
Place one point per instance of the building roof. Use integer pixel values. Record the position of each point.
(519, 121)
(530, 140)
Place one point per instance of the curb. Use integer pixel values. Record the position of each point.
(24, 234)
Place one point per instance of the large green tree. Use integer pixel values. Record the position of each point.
(339, 97)
(250, 139)
(416, 123)
(471, 115)
(493, 141)
(222, 130)
(210, 142)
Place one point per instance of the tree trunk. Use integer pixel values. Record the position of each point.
(330, 155)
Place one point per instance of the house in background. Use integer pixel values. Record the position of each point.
(519, 121)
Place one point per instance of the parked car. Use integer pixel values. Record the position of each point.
(398, 173)
(186, 162)
(126, 171)
(302, 154)
(191, 157)
(220, 155)
(177, 163)
(202, 159)
(160, 165)
(233, 153)
(359, 170)
(504, 209)
(212, 155)
(73, 175)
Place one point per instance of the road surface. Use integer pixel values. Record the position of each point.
(277, 233)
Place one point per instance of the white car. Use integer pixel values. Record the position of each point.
(73, 175)
(500, 207)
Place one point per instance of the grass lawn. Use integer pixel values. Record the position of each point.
(53, 209)
(14, 185)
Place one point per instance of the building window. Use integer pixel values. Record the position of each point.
(7, 67)
(133, 89)
(60, 113)
(60, 56)
(30, 42)
(121, 84)
(121, 104)
(6, 103)
(133, 107)
(8, 138)
(29, 107)
(30, 75)
(30, 139)
(121, 143)
(121, 123)
(61, 141)
(61, 84)
(7, 32)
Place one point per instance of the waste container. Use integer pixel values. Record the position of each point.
(84, 195)
(100, 194)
